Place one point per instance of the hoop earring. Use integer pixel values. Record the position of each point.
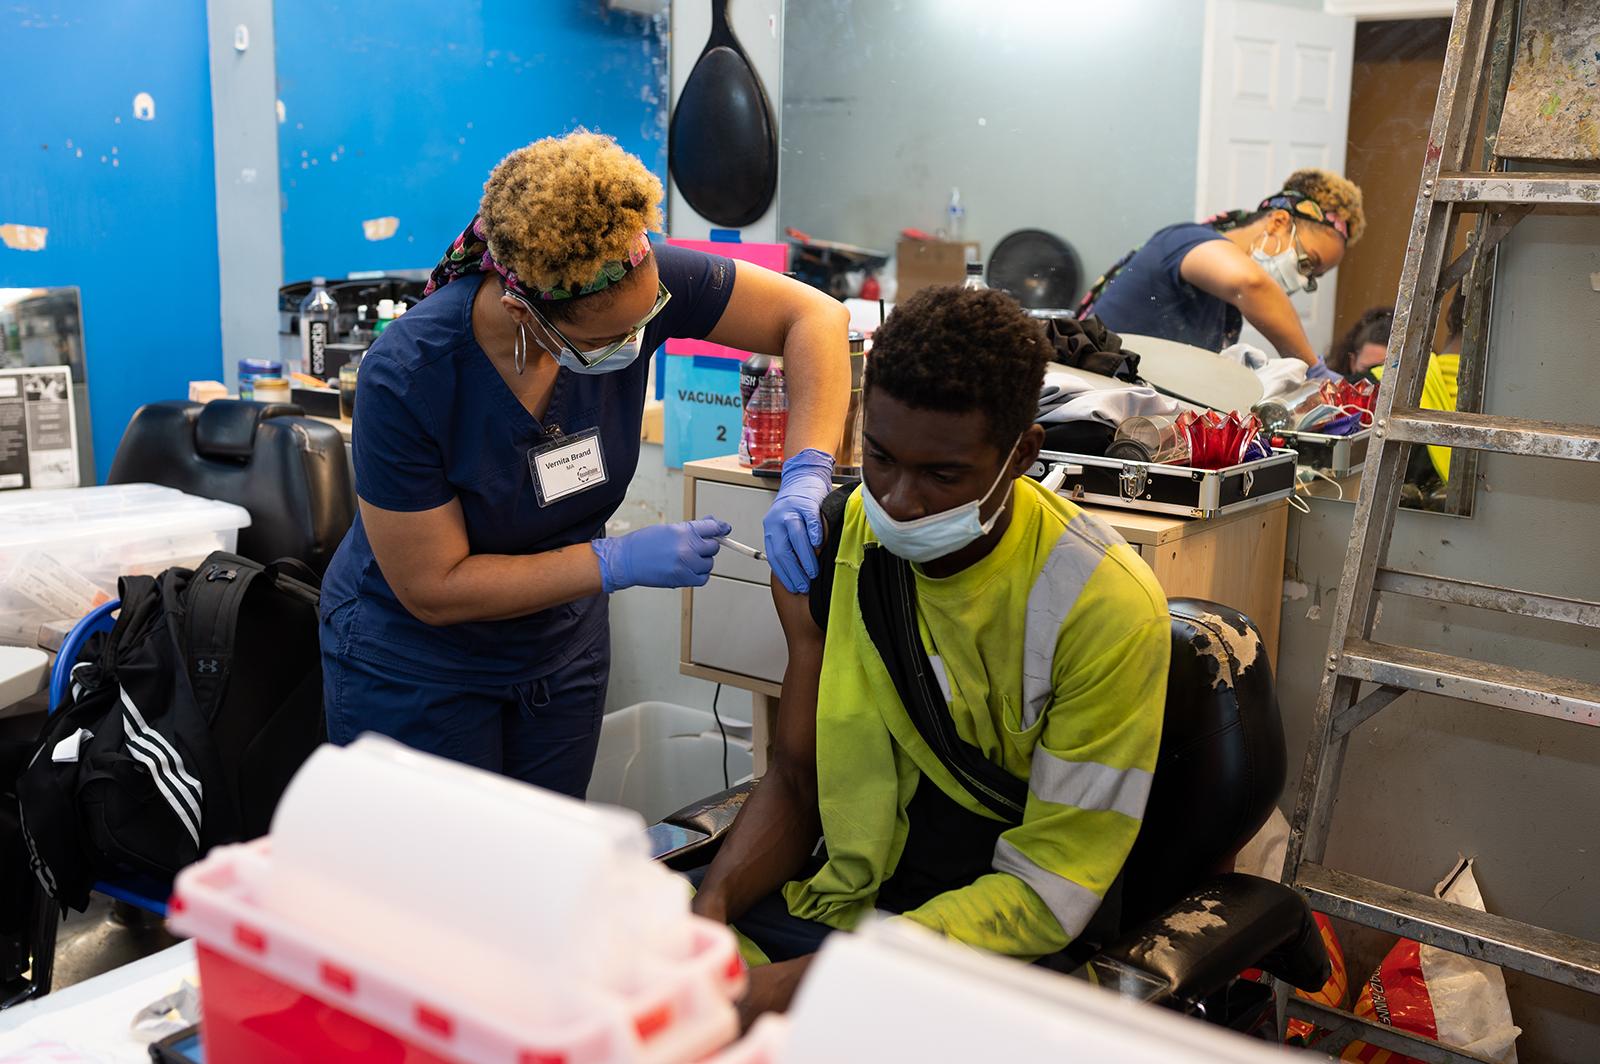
(519, 349)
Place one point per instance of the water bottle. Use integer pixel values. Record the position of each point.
(955, 217)
(319, 327)
(766, 420)
(974, 276)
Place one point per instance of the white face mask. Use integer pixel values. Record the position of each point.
(1284, 267)
(934, 535)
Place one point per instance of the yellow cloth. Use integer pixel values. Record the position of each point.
(1438, 393)
(1088, 755)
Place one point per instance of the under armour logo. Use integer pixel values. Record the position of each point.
(205, 665)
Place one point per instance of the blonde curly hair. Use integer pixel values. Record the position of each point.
(1337, 196)
(558, 210)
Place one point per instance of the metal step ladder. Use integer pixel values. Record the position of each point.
(1461, 176)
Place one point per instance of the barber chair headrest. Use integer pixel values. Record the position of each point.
(226, 428)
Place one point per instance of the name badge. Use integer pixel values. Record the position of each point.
(567, 465)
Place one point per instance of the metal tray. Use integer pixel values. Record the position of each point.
(1338, 456)
(1171, 489)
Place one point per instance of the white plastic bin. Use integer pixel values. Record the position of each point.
(61, 551)
(657, 757)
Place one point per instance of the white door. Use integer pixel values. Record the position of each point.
(1274, 97)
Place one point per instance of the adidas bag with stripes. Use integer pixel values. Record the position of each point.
(182, 727)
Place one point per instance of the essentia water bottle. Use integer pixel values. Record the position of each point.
(766, 421)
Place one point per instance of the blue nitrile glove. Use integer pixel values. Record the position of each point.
(1320, 371)
(661, 556)
(793, 527)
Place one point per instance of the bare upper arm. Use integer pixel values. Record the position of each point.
(764, 304)
(1222, 269)
(416, 550)
(795, 740)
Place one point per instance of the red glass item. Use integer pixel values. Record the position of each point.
(1218, 440)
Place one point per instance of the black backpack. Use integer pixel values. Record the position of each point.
(186, 721)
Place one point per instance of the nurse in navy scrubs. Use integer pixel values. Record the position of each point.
(498, 426)
(1198, 283)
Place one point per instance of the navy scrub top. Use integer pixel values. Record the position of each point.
(436, 422)
(1149, 297)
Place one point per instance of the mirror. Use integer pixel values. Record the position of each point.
(44, 327)
(1048, 138)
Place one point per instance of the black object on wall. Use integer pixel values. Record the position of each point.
(1038, 268)
(723, 142)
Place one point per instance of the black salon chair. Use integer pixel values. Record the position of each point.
(1186, 917)
(290, 472)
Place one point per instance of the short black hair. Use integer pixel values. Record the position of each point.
(1373, 327)
(953, 349)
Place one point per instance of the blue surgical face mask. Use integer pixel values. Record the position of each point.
(934, 535)
(620, 359)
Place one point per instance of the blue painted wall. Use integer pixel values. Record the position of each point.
(403, 112)
(130, 204)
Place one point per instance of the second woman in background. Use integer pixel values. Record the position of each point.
(1196, 283)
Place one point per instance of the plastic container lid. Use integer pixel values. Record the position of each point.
(64, 518)
(528, 917)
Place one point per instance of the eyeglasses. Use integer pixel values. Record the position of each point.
(1303, 262)
(594, 358)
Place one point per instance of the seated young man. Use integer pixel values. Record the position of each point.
(1046, 643)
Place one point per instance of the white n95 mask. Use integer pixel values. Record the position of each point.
(933, 535)
(1284, 267)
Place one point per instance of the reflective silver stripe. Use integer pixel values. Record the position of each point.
(1088, 784)
(159, 745)
(1072, 561)
(1093, 530)
(1072, 904)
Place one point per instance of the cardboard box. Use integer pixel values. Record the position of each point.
(920, 263)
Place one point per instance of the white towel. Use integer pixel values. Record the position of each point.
(1247, 355)
(1280, 376)
(1110, 406)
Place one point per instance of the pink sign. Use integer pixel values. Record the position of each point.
(772, 256)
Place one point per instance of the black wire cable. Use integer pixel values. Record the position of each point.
(724, 733)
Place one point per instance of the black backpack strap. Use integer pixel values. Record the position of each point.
(295, 568)
(211, 625)
(888, 598)
(833, 528)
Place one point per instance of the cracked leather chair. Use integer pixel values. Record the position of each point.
(289, 471)
(1187, 919)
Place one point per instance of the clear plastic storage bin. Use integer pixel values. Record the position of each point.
(657, 757)
(61, 551)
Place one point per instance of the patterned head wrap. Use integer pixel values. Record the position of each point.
(1306, 207)
(469, 254)
(1296, 203)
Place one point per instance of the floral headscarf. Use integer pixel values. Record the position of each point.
(469, 254)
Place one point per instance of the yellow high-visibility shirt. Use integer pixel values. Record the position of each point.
(1055, 650)
(1438, 393)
